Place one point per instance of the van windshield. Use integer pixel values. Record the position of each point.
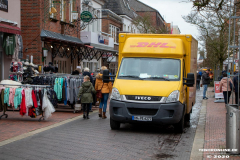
(160, 69)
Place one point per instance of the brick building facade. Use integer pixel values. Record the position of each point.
(143, 9)
(37, 16)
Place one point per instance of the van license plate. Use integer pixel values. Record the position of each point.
(141, 118)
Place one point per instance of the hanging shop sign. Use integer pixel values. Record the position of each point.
(86, 16)
(4, 5)
(103, 39)
(74, 15)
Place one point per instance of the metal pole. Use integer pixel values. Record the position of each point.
(229, 34)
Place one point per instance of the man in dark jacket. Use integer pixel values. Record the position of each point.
(205, 82)
(198, 80)
(87, 73)
(236, 86)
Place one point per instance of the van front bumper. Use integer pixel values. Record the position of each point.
(161, 113)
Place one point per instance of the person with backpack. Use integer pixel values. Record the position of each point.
(85, 95)
(226, 86)
(103, 89)
(236, 86)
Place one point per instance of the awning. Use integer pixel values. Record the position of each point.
(59, 37)
(101, 47)
(9, 29)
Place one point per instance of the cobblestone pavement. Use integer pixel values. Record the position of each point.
(16, 125)
(215, 129)
(93, 139)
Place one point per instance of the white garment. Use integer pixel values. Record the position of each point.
(28, 97)
(47, 106)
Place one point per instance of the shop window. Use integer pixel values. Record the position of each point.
(63, 11)
(113, 31)
(71, 9)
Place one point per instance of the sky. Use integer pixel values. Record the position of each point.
(172, 11)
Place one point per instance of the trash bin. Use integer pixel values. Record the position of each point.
(232, 129)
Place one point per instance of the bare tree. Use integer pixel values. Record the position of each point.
(145, 25)
(213, 26)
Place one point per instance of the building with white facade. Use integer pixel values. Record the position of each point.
(93, 35)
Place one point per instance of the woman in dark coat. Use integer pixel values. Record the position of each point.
(85, 93)
(87, 73)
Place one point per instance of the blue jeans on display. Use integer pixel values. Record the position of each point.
(103, 103)
(204, 90)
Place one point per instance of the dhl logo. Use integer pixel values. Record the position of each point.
(153, 44)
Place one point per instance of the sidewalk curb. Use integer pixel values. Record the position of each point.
(199, 138)
(25, 135)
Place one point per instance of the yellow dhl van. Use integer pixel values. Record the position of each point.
(155, 80)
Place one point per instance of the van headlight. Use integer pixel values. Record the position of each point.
(173, 97)
(115, 94)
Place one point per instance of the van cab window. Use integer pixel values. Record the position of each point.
(161, 69)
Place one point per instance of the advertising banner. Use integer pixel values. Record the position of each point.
(218, 94)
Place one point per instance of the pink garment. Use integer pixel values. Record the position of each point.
(225, 84)
(11, 96)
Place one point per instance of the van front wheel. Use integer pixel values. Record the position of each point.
(114, 124)
(179, 126)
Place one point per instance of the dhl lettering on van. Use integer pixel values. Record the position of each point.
(153, 44)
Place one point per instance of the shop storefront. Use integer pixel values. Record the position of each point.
(101, 46)
(10, 41)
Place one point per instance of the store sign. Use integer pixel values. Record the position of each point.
(74, 15)
(86, 16)
(4, 5)
(103, 39)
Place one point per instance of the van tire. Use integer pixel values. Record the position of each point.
(179, 127)
(187, 120)
(114, 124)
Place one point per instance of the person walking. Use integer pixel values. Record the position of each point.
(226, 85)
(85, 95)
(198, 80)
(236, 86)
(87, 73)
(205, 82)
(105, 89)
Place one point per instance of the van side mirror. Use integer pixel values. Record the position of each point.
(190, 80)
(106, 76)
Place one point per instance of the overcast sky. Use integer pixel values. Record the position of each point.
(172, 11)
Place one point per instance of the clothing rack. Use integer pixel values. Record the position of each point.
(24, 85)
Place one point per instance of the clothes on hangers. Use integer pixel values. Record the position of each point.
(17, 97)
(23, 108)
(47, 106)
(6, 96)
(66, 92)
(11, 96)
(2, 105)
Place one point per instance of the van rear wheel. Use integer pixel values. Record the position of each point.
(114, 124)
(179, 127)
